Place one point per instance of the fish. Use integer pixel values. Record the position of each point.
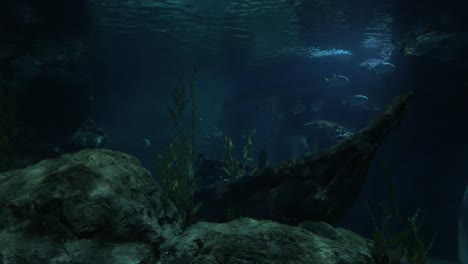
(337, 80)
(463, 230)
(383, 68)
(421, 44)
(298, 108)
(146, 143)
(359, 101)
(213, 133)
(378, 66)
(356, 100)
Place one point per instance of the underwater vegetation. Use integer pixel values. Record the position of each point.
(234, 167)
(313, 188)
(396, 239)
(7, 127)
(176, 163)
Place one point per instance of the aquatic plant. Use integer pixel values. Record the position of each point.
(234, 167)
(396, 239)
(7, 127)
(176, 163)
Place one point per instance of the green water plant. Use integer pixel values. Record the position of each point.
(176, 163)
(234, 167)
(396, 239)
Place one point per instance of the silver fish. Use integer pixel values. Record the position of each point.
(337, 80)
(146, 143)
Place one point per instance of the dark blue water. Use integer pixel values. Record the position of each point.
(257, 60)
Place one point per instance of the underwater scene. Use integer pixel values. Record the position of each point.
(233, 132)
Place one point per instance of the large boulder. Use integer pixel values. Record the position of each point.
(95, 206)
(247, 240)
(101, 206)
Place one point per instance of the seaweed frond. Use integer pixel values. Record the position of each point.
(176, 163)
(395, 239)
(234, 167)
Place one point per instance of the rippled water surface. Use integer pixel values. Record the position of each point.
(260, 28)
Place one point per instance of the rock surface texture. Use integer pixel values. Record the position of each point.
(101, 206)
(264, 242)
(96, 206)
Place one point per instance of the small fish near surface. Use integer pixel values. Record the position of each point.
(337, 80)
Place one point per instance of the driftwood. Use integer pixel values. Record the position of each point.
(318, 188)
